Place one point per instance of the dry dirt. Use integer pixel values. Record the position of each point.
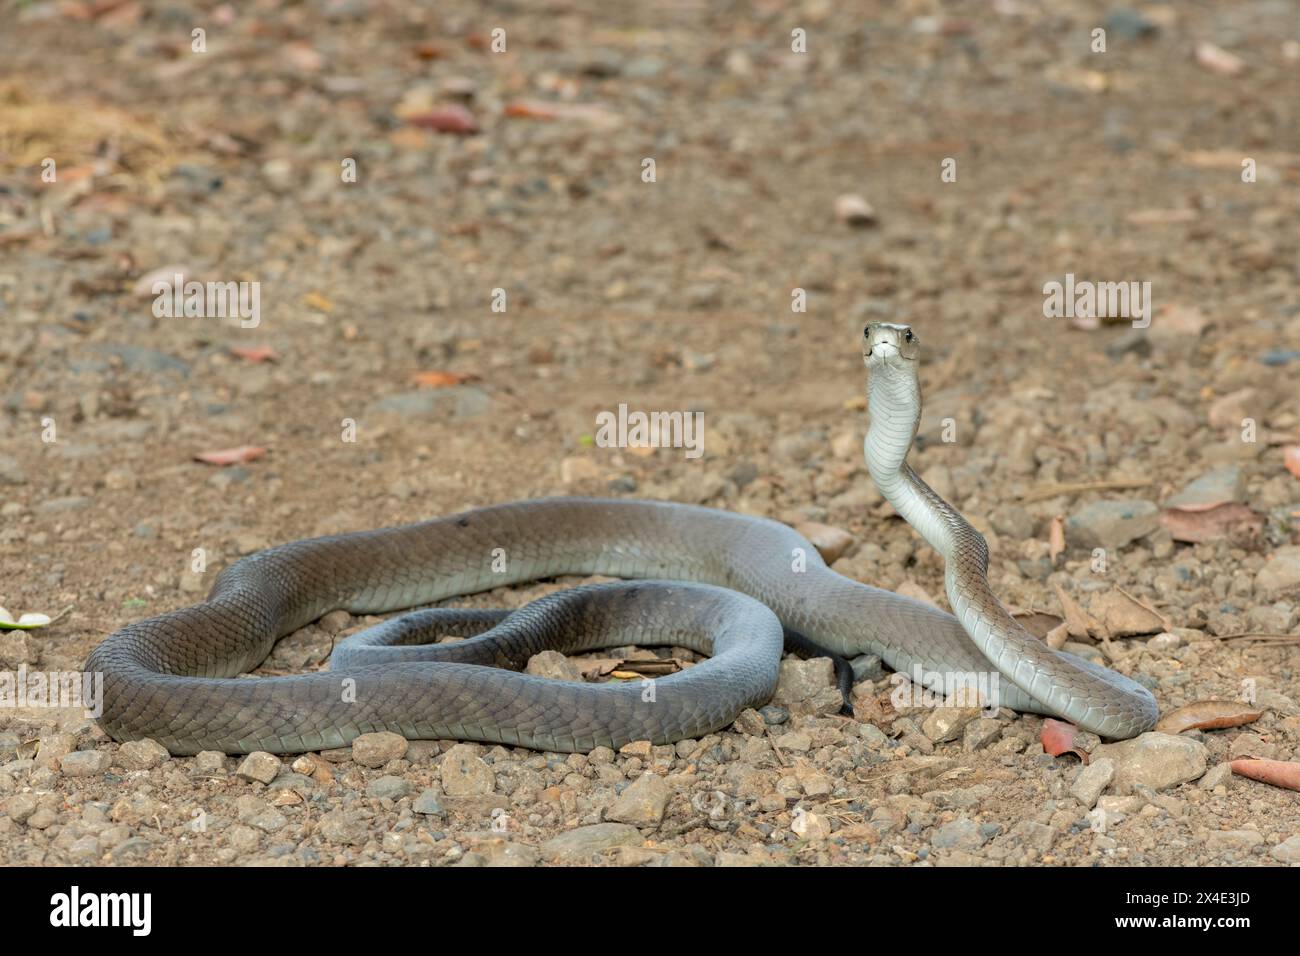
(674, 294)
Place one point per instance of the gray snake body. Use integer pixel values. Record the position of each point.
(739, 579)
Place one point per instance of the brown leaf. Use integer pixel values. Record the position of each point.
(445, 119)
(1280, 773)
(1207, 715)
(530, 109)
(1211, 525)
(1058, 738)
(1056, 538)
(442, 379)
(1077, 622)
(231, 456)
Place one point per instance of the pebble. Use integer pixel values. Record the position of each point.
(429, 803)
(1112, 524)
(962, 833)
(210, 761)
(1288, 851)
(84, 763)
(802, 680)
(1092, 780)
(642, 803)
(465, 774)
(582, 844)
(375, 750)
(388, 788)
(339, 826)
(830, 542)
(1281, 572)
(1220, 486)
(947, 723)
(553, 665)
(142, 754)
(259, 767)
(1154, 760)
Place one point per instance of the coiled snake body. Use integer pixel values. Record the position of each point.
(725, 585)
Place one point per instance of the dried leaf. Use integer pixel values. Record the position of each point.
(1056, 538)
(1207, 715)
(254, 353)
(231, 456)
(445, 119)
(442, 379)
(25, 622)
(1077, 621)
(1280, 773)
(1211, 525)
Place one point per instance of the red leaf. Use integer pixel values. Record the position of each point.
(446, 119)
(231, 456)
(255, 353)
(1058, 738)
(442, 379)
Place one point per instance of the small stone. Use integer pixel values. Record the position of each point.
(1230, 840)
(1288, 851)
(85, 850)
(142, 754)
(773, 715)
(1092, 780)
(852, 209)
(388, 788)
(429, 804)
(810, 826)
(502, 852)
(554, 665)
(338, 826)
(465, 774)
(1281, 572)
(750, 722)
(375, 750)
(582, 844)
(84, 763)
(947, 723)
(1217, 776)
(210, 761)
(1221, 486)
(642, 804)
(830, 542)
(259, 767)
(1155, 760)
(801, 680)
(21, 806)
(796, 741)
(962, 834)
(1112, 524)
(574, 470)
(980, 733)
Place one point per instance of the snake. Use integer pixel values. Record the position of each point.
(730, 587)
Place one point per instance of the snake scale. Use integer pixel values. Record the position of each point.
(719, 583)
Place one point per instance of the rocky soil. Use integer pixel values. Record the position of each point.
(1136, 485)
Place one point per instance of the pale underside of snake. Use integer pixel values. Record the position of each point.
(722, 584)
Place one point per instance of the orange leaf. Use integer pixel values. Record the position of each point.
(442, 379)
(255, 353)
(1291, 457)
(1208, 715)
(530, 109)
(1280, 773)
(1210, 525)
(231, 456)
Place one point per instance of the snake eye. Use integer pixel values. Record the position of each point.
(908, 335)
(866, 331)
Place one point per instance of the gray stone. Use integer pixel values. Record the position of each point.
(801, 680)
(582, 844)
(429, 803)
(454, 404)
(1112, 524)
(1282, 571)
(947, 723)
(1220, 486)
(339, 826)
(84, 763)
(388, 788)
(962, 834)
(1092, 780)
(210, 761)
(11, 473)
(1288, 851)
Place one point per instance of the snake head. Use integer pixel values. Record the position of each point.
(885, 343)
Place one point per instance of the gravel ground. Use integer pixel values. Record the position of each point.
(1131, 482)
